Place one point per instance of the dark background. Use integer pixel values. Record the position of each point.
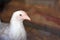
(44, 14)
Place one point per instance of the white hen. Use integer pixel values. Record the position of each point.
(16, 30)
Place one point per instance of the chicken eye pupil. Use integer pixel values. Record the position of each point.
(20, 14)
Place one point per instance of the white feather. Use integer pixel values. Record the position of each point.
(15, 30)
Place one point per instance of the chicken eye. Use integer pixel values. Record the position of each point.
(20, 14)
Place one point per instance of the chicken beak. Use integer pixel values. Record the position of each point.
(26, 17)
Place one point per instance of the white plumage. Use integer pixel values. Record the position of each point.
(16, 30)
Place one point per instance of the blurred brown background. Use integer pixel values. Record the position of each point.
(41, 12)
